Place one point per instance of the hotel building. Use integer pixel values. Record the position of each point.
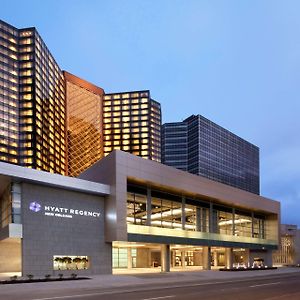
(54, 121)
(84, 124)
(132, 122)
(32, 106)
(128, 212)
(122, 211)
(206, 149)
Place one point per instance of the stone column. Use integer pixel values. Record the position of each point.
(165, 258)
(206, 258)
(229, 258)
(148, 207)
(129, 258)
(183, 258)
(215, 258)
(183, 216)
(198, 219)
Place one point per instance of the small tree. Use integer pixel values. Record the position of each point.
(77, 260)
(84, 260)
(67, 260)
(59, 260)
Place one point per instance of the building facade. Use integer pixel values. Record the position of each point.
(32, 108)
(174, 141)
(132, 122)
(127, 212)
(288, 253)
(53, 121)
(84, 124)
(212, 152)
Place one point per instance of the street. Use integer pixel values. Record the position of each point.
(272, 287)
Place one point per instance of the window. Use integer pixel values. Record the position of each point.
(70, 262)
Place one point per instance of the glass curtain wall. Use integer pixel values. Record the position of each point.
(176, 212)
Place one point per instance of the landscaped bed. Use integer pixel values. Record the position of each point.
(248, 269)
(48, 278)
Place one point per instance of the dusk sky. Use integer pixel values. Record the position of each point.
(234, 62)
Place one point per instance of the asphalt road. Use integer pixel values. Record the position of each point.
(285, 286)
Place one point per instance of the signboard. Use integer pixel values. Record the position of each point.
(62, 212)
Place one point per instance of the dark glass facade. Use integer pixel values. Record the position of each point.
(132, 123)
(174, 145)
(212, 152)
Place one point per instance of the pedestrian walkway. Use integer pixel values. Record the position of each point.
(151, 279)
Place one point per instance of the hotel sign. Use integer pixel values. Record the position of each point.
(62, 212)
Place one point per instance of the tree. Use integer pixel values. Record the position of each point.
(67, 260)
(77, 260)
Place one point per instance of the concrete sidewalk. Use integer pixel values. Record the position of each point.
(151, 279)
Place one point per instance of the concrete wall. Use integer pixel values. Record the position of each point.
(10, 255)
(143, 258)
(46, 236)
(297, 247)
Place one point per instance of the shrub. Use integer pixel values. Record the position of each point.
(73, 275)
(30, 276)
(60, 275)
(14, 278)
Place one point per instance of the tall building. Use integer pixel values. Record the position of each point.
(212, 152)
(32, 105)
(84, 124)
(174, 145)
(132, 122)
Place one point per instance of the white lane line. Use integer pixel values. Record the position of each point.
(130, 290)
(264, 284)
(163, 297)
(96, 294)
(70, 296)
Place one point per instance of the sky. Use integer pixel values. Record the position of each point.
(235, 62)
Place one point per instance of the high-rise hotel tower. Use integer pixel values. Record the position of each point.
(32, 102)
(132, 122)
(53, 121)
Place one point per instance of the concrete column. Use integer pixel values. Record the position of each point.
(203, 221)
(165, 258)
(229, 258)
(269, 258)
(183, 213)
(183, 258)
(215, 258)
(233, 221)
(211, 228)
(206, 258)
(148, 207)
(129, 258)
(198, 219)
(252, 224)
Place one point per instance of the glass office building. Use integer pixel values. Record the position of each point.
(212, 152)
(32, 102)
(84, 123)
(174, 145)
(132, 122)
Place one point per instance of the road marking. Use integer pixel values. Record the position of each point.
(264, 284)
(163, 297)
(97, 294)
(131, 290)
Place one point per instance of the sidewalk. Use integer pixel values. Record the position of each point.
(151, 279)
